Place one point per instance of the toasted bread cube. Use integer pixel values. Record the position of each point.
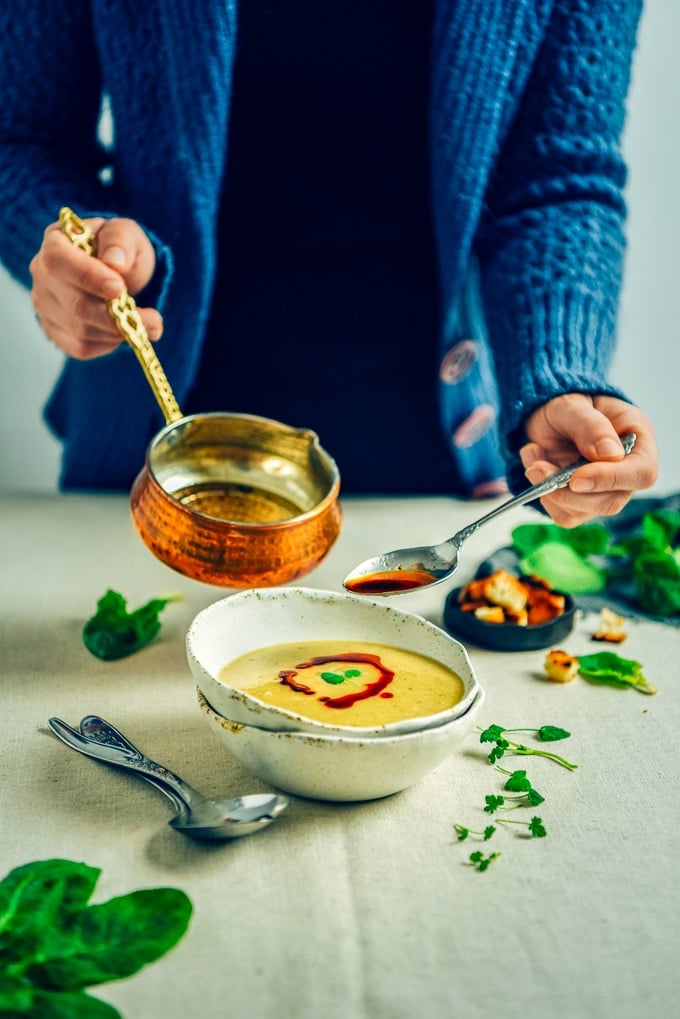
(501, 588)
(543, 605)
(518, 618)
(611, 627)
(472, 606)
(490, 614)
(560, 667)
(473, 592)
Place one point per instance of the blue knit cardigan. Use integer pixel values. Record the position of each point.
(527, 113)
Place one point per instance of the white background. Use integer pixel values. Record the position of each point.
(647, 364)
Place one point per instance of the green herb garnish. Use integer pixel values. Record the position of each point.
(53, 945)
(464, 832)
(535, 827)
(340, 677)
(113, 632)
(519, 783)
(608, 667)
(494, 734)
(481, 862)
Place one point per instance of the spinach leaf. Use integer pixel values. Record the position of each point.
(657, 579)
(111, 940)
(113, 632)
(648, 559)
(53, 945)
(69, 1005)
(564, 568)
(608, 667)
(587, 539)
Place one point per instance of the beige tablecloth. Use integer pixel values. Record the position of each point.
(344, 911)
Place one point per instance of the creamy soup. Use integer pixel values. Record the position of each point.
(345, 682)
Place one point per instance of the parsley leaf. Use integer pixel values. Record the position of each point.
(113, 632)
(481, 862)
(493, 803)
(494, 734)
(551, 733)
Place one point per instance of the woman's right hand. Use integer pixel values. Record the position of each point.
(71, 288)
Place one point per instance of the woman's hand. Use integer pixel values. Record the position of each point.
(70, 288)
(575, 424)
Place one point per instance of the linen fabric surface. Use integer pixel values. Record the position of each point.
(526, 114)
(345, 910)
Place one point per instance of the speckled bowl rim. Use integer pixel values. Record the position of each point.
(325, 738)
(287, 721)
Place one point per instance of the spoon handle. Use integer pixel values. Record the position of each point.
(125, 755)
(123, 309)
(95, 729)
(554, 481)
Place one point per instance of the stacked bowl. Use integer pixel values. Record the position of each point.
(307, 754)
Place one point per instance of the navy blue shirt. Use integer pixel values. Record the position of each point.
(326, 310)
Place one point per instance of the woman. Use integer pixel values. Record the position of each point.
(351, 220)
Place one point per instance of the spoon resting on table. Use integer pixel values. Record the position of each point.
(407, 569)
(196, 816)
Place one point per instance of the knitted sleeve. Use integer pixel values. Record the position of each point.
(49, 154)
(551, 244)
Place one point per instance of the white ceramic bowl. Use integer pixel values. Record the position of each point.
(264, 617)
(340, 767)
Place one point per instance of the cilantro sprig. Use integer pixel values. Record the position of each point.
(518, 791)
(481, 862)
(547, 733)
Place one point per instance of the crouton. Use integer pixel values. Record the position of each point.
(611, 627)
(490, 613)
(501, 588)
(560, 667)
(543, 605)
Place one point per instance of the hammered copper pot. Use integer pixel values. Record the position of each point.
(237, 500)
(229, 499)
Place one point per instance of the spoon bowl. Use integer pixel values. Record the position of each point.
(196, 816)
(407, 569)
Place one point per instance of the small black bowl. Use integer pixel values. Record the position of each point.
(507, 636)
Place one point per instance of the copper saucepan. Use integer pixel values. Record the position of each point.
(229, 499)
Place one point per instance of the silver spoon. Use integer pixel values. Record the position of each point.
(196, 816)
(407, 569)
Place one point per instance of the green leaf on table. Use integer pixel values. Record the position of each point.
(552, 733)
(69, 1005)
(518, 782)
(608, 667)
(537, 828)
(113, 632)
(53, 945)
(564, 568)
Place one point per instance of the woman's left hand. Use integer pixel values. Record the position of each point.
(574, 425)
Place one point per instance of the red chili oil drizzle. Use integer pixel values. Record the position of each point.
(286, 677)
(387, 583)
(347, 700)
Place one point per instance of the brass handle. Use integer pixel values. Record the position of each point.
(125, 314)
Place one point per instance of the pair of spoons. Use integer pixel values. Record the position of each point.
(407, 569)
(196, 816)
